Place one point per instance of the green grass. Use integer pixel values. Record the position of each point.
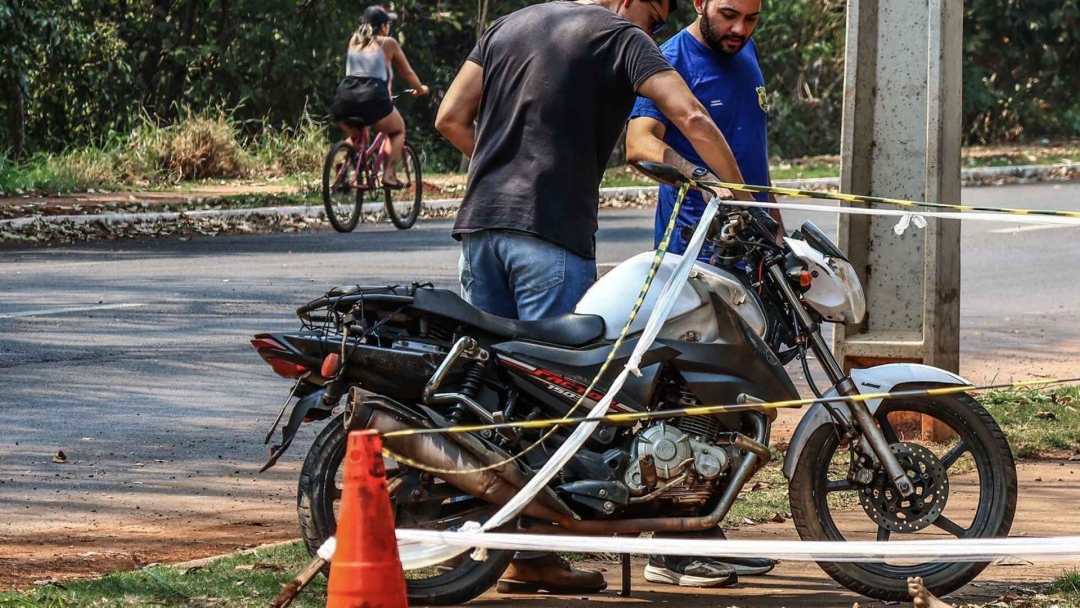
(237, 581)
(1039, 423)
(208, 147)
(1068, 585)
(200, 146)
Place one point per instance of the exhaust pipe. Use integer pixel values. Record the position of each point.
(497, 485)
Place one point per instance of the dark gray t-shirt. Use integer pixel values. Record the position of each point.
(559, 83)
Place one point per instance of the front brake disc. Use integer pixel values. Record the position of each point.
(892, 511)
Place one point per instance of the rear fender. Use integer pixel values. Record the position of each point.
(309, 406)
(880, 379)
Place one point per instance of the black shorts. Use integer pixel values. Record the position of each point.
(361, 101)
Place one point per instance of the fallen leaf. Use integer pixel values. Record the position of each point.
(778, 518)
(1046, 416)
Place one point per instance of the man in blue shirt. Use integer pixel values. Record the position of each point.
(717, 58)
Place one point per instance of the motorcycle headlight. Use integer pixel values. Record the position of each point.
(849, 282)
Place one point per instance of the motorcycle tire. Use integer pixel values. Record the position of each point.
(315, 508)
(993, 517)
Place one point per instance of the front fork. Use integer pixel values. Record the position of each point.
(845, 386)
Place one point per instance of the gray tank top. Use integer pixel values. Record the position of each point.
(369, 64)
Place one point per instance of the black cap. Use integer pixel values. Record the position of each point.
(378, 16)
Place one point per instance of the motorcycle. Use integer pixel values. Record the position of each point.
(410, 357)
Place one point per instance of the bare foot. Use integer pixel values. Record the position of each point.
(921, 597)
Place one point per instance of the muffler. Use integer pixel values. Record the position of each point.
(456, 452)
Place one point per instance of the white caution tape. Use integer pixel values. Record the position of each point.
(421, 555)
(977, 216)
(1065, 548)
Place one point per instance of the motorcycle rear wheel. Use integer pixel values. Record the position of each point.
(979, 435)
(453, 583)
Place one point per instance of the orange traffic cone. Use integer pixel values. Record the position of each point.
(366, 570)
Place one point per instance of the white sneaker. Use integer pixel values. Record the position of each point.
(697, 573)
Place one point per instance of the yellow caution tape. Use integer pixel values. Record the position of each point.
(709, 410)
(856, 198)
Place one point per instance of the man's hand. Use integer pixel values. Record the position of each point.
(421, 91)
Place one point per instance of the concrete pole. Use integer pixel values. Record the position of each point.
(901, 138)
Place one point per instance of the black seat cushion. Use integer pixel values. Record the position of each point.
(567, 330)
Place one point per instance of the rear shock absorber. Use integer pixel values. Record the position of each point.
(470, 385)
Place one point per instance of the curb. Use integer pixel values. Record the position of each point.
(1020, 171)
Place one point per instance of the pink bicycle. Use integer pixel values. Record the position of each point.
(352, 172)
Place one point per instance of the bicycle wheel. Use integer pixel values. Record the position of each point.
(341, 197)
(403, 204)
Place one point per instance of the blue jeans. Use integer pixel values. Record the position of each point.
(520, 276)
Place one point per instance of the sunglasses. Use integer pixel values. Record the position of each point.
(661, 23)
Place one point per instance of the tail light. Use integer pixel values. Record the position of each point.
(281, 367)
(286, 369)
(330, 365)
(267, 343)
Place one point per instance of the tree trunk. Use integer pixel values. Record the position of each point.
(13, 86)
(16, 116)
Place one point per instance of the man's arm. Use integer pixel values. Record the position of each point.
(673, 98)
(457, 114)
(645, 141)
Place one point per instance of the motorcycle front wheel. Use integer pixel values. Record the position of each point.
(417, 501)
(965, 488)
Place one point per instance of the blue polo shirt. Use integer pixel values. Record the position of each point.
(732, 89)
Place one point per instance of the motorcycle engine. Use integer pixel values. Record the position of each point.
(681, 467)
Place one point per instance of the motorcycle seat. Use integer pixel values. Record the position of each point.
(565, 330)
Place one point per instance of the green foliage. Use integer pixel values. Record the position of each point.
(801, 46)
(1020, 69)
(88, 73)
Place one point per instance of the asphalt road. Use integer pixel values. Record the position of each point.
(133, 358)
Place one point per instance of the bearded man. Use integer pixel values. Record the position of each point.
(717, 58)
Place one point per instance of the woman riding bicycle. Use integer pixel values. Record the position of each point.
(363, 98)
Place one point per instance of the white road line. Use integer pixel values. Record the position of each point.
(60, 311)
(1024, 229)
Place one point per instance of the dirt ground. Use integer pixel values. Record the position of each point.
(94, 541)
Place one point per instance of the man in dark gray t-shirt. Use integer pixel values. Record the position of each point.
(538, 107)
(550, 88)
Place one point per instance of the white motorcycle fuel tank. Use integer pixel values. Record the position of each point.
(614, 295)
